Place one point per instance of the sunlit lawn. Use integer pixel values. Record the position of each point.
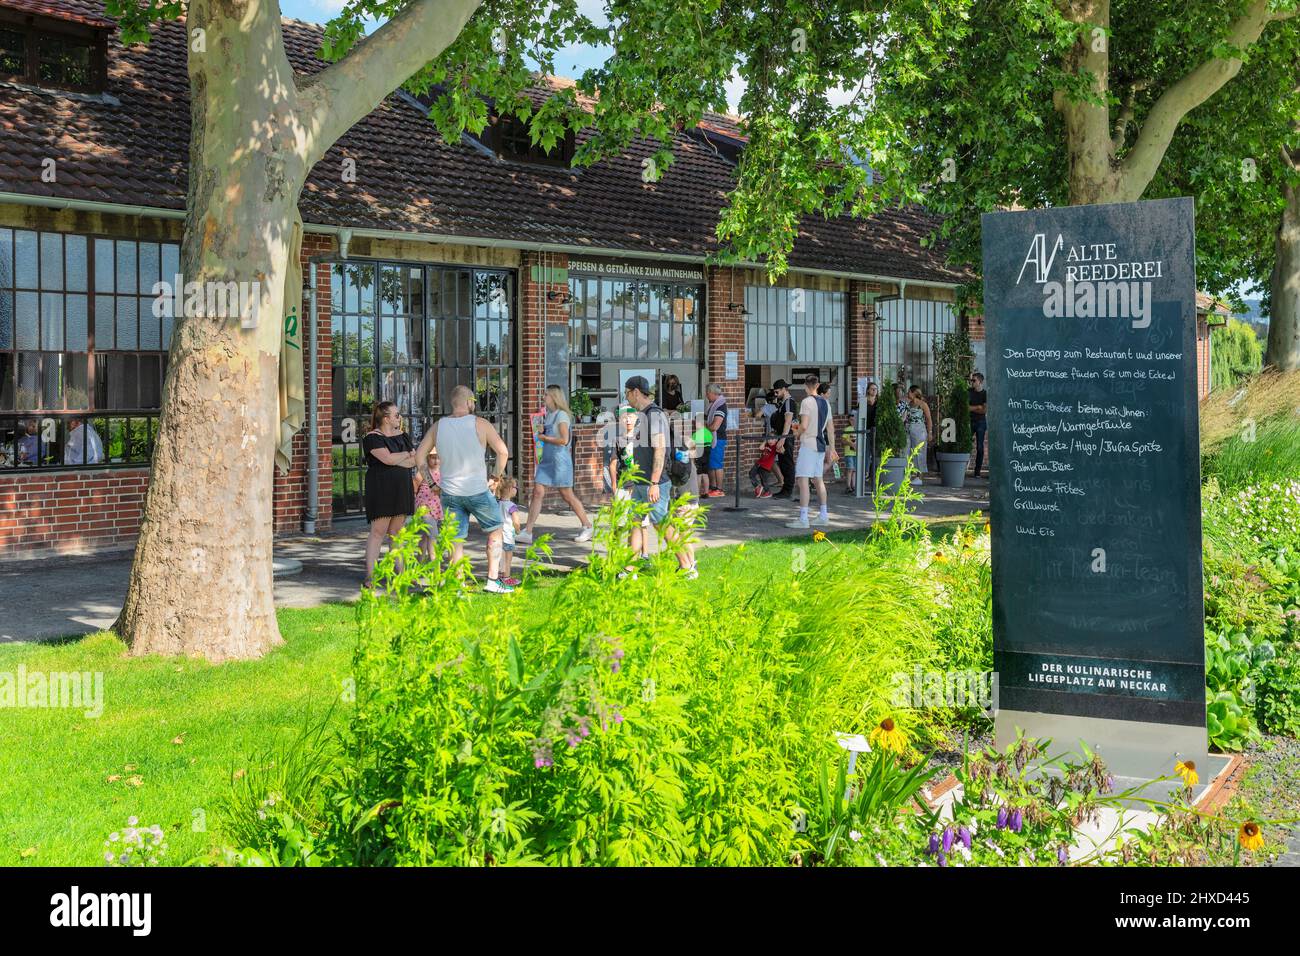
(174, 731)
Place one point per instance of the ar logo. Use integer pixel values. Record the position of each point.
(1040, 258)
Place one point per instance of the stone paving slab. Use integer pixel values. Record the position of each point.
(53, 597)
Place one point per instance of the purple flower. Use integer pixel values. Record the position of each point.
(614, 667)
(947, 839)
(618, 653)
(1002, 818)
(1108, 784)
(963, 834)
(1017, 820)
(934, 844)
(943, 860)
(1062, 855)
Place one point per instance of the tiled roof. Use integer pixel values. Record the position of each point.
(130, 148)
(80, 11)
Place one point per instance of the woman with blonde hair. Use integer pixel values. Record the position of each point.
(555, 470)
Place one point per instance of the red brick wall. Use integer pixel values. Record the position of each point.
(1202, 357)
(290, 490)
(82, 512)
(70, 512)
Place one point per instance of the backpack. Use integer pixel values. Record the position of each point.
(678, 471)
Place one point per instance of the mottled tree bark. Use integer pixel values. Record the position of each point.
(1283, 350)
(201, 581)
(1097, 172)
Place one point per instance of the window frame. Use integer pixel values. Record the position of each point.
(137, 424)
(34, 28)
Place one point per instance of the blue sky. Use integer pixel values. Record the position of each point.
(569, 62)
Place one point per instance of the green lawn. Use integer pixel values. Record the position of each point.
(173, 731)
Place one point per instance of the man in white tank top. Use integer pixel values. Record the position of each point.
(461, 439)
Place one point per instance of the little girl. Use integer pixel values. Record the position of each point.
(512, 519)
(429, 495)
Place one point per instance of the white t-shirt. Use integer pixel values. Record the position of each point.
(808, 422)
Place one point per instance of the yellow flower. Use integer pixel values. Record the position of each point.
(1250, 836)
(1187, 770)
(887, 736)
(940, 557)
(986, 527)
(819, 536)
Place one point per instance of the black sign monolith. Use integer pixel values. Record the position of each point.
(1095, 479)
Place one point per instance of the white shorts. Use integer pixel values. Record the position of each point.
(810, 464)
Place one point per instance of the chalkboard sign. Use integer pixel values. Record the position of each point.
(557, 355)
(1095, 475)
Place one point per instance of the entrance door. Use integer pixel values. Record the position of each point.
(409, 334)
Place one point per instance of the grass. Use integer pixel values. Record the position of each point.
(1271, 452)
(1267, 396)
(174, 732)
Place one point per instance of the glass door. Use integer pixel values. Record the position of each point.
(410, 334)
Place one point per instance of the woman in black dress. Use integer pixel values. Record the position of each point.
(390, 494)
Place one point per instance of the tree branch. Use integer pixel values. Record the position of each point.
(1194, 88)
(1126, 112)
(338, 97)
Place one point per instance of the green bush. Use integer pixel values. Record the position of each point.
(1279, 694)
(1235, 354)
(633, 720)
(957, 407)
(891, 437)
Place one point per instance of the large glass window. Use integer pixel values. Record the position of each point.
(82, 353)
(410, 334)
(625, 320)
(907, 330)
(784, 326)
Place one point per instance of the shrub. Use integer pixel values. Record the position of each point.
(891, 437)
(1235, 355)
(626, 721)
(1279, 694)
(957, 407)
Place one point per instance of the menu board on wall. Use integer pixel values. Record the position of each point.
(1095, 469)
(557, 355)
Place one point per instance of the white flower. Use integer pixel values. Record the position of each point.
(113, 836)
(108, 857)
(132, 821)
(855, 836)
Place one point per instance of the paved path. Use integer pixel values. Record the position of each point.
(56, 597)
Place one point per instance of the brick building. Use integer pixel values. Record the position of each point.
(426, 265)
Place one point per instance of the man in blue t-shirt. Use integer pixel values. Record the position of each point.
(715, 419)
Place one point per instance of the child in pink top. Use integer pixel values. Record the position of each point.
(429, 496)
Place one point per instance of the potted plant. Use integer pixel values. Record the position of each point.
(954, 455)
(891, 441)
(582, 405)
(952, 366)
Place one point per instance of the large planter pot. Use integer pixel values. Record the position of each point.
(895, 474)
(952, 468)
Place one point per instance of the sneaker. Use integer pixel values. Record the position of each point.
(783, 494)
(583, 535)
(917, 482)
(762, 494)
(758, 492)
(511, 582)
(691, 573)
(628, 572)
(524, 537)
(820, 522)
(797, 523)
(716, 493)
(494, 586)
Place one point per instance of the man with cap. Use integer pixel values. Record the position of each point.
(782, 423)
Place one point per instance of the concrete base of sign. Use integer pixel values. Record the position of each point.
(1130, 748)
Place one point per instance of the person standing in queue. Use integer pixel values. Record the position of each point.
(652, 485)
(462, 438)
(782, 425)
(390, 493)
(715, 420)
(979, 423)
(816, 443)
